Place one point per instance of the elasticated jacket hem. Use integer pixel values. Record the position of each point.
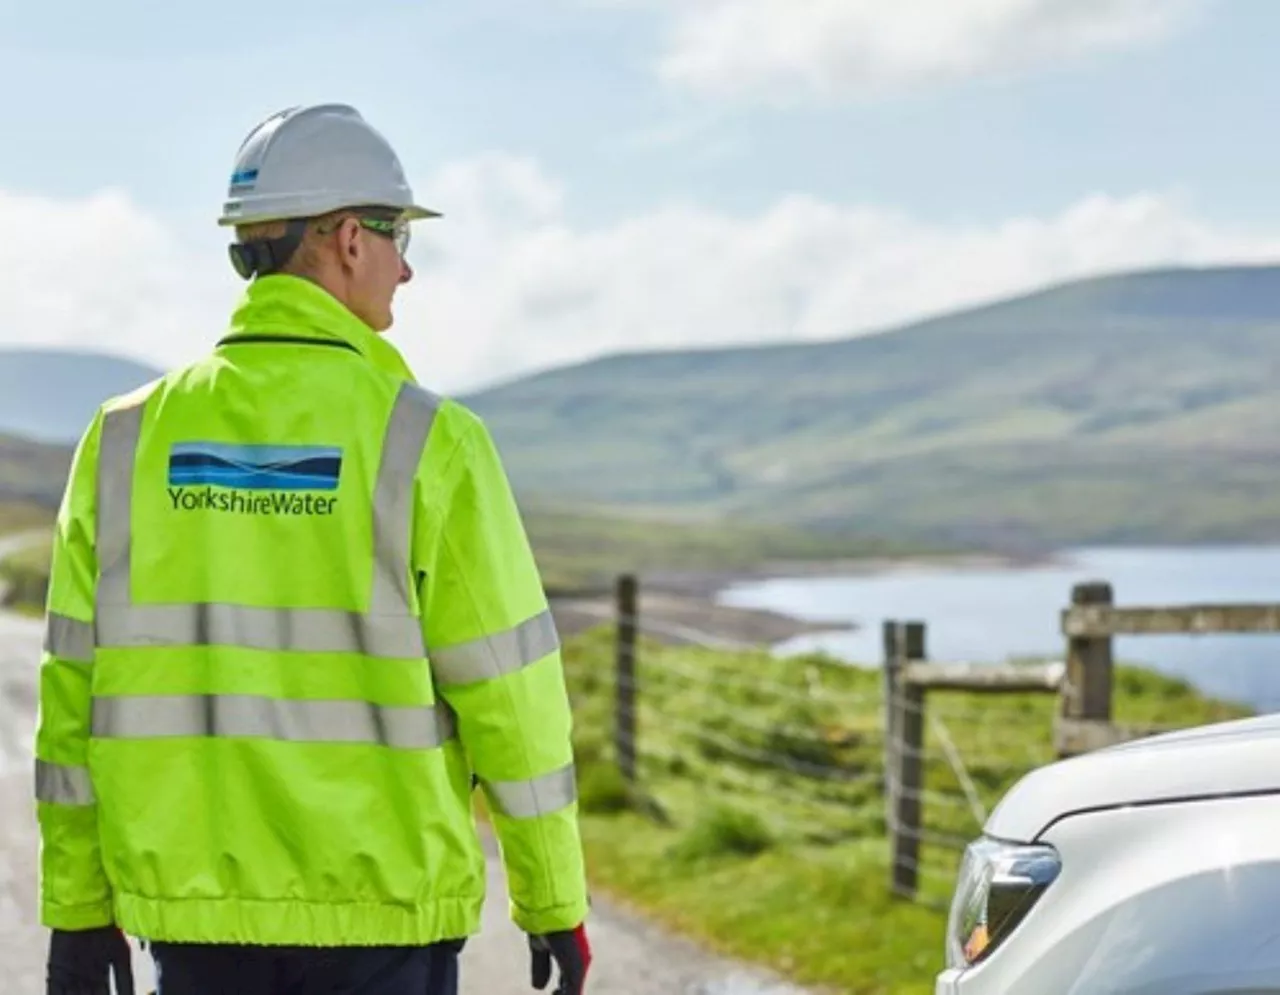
(293, 923)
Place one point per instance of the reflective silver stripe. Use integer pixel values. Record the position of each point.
(68, 638)
(121, 429)
(157, 716)
(496, 655)
(305, 630)
(410, 423)
(59, 784)
(539, 796)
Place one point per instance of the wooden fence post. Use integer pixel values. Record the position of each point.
(1086, 691)
(625, 721)
(892, 634)
(909, 776)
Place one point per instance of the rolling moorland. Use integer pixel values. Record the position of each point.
(1141, 407)
(1138, 407)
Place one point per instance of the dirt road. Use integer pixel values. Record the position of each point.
(632, 958)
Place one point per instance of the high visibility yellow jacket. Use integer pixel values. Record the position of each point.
(292, 611)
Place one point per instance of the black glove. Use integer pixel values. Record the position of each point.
(82, 962)
(572, 954)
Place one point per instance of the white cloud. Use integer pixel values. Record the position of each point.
(515, 288)
(506, 284)
(780, 50)
(100, 273)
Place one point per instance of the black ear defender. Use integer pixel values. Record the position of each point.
(244, 258)
(265, 256)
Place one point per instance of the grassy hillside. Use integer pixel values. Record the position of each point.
(770, 774)
(579, 548)
(17, 516)
(1138, 406)
(578, 551)
(24, 579)
(31, 473)
(585, 549)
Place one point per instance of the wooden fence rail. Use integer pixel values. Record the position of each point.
(1082, 681)
(908, 680)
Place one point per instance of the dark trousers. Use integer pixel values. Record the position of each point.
(207, 969)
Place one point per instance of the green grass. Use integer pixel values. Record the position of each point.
(770, 865)
(20, 516)
(25, 574)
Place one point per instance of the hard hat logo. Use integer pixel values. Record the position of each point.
(308, 161)
(243, 180)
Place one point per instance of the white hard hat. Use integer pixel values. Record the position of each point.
(306, 161)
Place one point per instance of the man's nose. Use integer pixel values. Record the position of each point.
(406, 271)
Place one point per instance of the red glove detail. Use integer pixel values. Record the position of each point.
(571, 951)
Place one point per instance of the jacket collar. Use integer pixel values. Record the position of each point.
(290, 307)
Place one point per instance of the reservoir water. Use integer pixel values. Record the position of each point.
(992, 614)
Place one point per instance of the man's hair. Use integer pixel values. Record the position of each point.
(305, 261)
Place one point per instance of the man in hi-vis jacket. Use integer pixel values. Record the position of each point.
(293, 618)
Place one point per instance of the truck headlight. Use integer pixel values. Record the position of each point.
(997, 886)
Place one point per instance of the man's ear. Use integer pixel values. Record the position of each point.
(349, 244)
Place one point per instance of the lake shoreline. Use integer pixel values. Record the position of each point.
(713, 582)
(685, 606)
(979, 614)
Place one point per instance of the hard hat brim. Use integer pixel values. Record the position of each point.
(413, 212)
(416, 213)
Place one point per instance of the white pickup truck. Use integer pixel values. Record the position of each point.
(1151, 868)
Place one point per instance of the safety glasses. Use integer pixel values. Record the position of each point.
(397, 231)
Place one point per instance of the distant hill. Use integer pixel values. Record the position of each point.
(51, 394)
(1131, 408)
(1134, 407)
(31, 473)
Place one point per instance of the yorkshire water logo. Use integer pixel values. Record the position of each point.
(244, 180)
(253, 480)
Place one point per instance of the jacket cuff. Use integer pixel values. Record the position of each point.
(76, 917)
(552, 920)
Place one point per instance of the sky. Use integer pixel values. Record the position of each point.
(637, 174)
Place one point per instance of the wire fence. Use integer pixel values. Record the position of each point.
(912, 756)
(807, 755)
